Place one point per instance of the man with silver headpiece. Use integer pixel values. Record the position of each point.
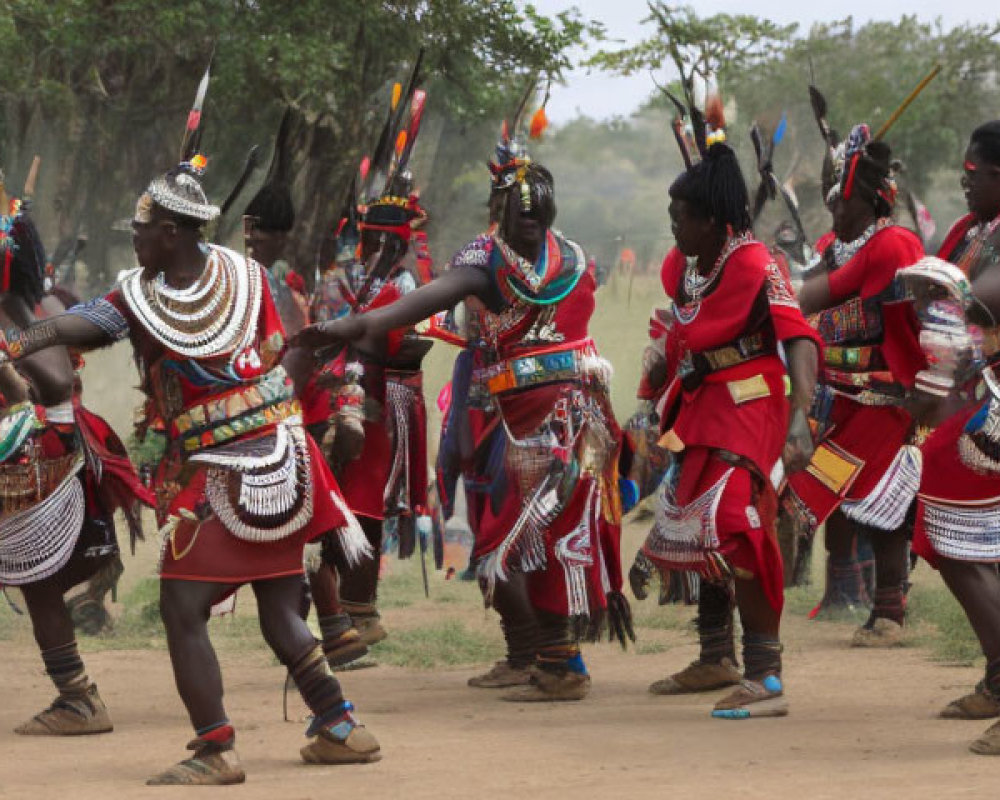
(242, 487)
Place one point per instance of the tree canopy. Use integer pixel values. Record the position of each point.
(101, 89)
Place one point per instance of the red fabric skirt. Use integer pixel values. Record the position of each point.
(744, 520)
(363, 480)
(946, 478)
(871, 434)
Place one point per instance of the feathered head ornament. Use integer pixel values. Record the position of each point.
(867, 170)
(512, 167)
(385, 195)
(695, 130)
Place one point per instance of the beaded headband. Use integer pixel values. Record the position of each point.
(180, 193)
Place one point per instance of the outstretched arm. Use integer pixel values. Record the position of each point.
(71, 330)
(368, 328)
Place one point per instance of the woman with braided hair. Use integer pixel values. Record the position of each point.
(871, 356)
(728, 421)
(556, 526)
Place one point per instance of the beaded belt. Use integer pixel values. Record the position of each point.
(236, 413)
(533, 370)
(696, 366)
(862, 358)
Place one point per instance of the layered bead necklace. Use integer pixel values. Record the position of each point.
(215, 316)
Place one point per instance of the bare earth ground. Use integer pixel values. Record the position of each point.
(861, 721)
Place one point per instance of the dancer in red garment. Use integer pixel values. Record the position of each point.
(871, 357)
(242, 486)
(54, 449)
(729, 421)
(958, 510)
(558, 520)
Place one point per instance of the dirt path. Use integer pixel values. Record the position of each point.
(861, 724)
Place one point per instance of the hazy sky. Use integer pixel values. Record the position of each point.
(599, 95)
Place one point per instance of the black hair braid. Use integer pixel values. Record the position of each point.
(27, 269)
(729, 199)
(714, 187)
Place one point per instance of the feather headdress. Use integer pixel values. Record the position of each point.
(384, 186)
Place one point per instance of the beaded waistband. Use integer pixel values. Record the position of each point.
(236, 413)
(853, 358)
(561, 363)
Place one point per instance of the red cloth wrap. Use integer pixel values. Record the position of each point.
(873, 434)
(955, 236)
(709, 419)
(875, 265)
(709, 416)
(119, 485)
(944, 476)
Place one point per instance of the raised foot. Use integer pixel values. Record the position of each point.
(370, 629)
(70, 715)
(345, 648)
(753, 699)
(360, 747)
(699, 676)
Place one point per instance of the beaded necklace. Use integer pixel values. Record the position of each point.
(979, 252)
(697, 285)
(845, 251)
(215, 316)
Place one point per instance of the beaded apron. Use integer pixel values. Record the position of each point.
(261, 489)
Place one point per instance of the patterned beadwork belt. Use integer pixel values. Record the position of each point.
(852, 358)
(868, 388)
(236, 413)
(535, 369)
(695, 366)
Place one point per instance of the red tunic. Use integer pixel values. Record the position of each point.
(948, 484)
(872, 347)
(184, 391)
(733, 423)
